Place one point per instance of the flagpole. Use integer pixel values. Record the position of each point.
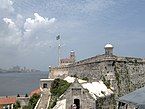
(59, 47)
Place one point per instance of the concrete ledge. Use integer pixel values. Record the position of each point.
(46, 80)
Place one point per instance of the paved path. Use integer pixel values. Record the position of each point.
(44, 100)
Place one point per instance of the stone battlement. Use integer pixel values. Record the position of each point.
(124, 74)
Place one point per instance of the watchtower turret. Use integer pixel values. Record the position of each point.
(72, 56)
(108, 49)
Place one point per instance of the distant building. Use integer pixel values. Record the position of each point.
(69, 60)
(7, 102)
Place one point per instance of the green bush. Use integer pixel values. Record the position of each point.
(106, 82)
(17, 105)
(58, 87)
(54, 102)
(18, 95)
(32, 101)
(26, 95)
(26, 107)
(85, 78)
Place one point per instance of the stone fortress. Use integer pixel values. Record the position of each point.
(122, 74)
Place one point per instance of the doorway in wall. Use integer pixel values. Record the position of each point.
(45, 85)
(77, 103)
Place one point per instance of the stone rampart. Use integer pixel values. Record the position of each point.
(125, 74)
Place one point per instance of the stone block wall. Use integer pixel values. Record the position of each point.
(127, 73)
(58, 72)
(76, 91)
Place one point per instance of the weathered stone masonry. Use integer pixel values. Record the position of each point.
(125, 74)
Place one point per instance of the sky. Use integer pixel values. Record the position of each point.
(28, 30)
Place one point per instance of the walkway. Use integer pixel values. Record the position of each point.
(44, 100)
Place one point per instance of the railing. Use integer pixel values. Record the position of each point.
(41, 102)
(37, 104)
(48, 102)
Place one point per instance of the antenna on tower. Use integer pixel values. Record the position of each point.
(59, 47)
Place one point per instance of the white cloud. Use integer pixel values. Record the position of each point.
(30, 23)
(19, 21)
(36, 31)
(13, 35)
(6, 5)
(25, 35)
(10, 23)
(17, 44)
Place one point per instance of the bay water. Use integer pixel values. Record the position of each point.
(19, 83)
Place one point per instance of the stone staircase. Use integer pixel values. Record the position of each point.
(60, 104)
(44, 100)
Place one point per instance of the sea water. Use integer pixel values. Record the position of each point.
(19, 83)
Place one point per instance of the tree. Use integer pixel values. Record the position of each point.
(18, 95)
(32, 101)
(58, 87)
(26, 95)
(17, 105)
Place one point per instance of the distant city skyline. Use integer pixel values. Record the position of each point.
(28, 30)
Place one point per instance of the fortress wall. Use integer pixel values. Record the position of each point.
(128, 73)
(129, 76)
(58, 72)
(93, 71)
(125, 74)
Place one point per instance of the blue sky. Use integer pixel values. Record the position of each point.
(28, 29)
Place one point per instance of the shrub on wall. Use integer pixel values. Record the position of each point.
(32, 101)
(58, 87)
(17, 105)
